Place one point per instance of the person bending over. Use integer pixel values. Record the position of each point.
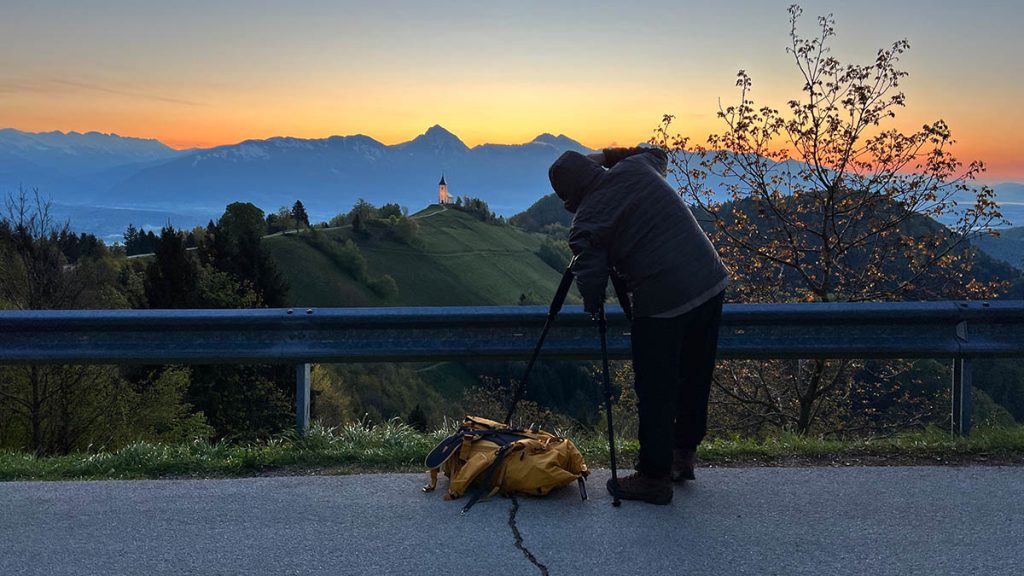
(628, 220)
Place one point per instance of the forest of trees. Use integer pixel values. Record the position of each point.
(58, 409)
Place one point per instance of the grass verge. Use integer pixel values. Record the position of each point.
(395, 447)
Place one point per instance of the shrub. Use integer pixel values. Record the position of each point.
(555, 253)
(385, 286)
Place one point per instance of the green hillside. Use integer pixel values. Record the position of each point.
(454, 259)
(458, 260)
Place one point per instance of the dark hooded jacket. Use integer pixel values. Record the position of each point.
(630, 218)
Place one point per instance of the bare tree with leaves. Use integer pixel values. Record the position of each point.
(823, 202)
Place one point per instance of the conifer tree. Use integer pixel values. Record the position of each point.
(299, 214)
(131, 240)
(235, 246)
(171, 279)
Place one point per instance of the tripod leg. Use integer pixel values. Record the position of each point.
(553, 310)
(602, 325)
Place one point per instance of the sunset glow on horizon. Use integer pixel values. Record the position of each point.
(203, 74)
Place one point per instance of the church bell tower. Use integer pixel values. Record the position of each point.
(442, 192)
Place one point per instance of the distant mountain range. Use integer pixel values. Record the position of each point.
(73, 166)
(106, 171)
(102, 182)
(330, 174)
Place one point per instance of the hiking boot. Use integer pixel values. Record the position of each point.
(683, 463)
(639, 486)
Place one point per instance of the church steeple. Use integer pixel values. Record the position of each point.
(442, 192)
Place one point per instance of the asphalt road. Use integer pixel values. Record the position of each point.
(913, 520)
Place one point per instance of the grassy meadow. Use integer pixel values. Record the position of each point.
(459, 261)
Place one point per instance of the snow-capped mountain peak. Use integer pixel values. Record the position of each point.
(436, 140)
(560, 142)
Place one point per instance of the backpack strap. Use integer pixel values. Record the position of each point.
(503, 436)
(483, 484)
(450, 445)
(444, 450)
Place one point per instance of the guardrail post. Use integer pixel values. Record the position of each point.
(962, 396)
(302, 381)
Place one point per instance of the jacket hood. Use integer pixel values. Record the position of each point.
(572, 176)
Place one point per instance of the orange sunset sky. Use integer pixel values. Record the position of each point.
(200, 74)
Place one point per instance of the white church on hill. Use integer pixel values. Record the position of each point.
(443, 197)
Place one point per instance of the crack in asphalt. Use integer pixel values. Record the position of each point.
(519, 538)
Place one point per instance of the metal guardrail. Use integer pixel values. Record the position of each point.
(960, 331)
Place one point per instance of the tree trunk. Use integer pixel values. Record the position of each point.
(807, 397)
(64, 425)
(35, 412)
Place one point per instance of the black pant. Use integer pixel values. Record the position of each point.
(673, 360)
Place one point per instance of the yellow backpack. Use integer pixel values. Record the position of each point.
(492, 458)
